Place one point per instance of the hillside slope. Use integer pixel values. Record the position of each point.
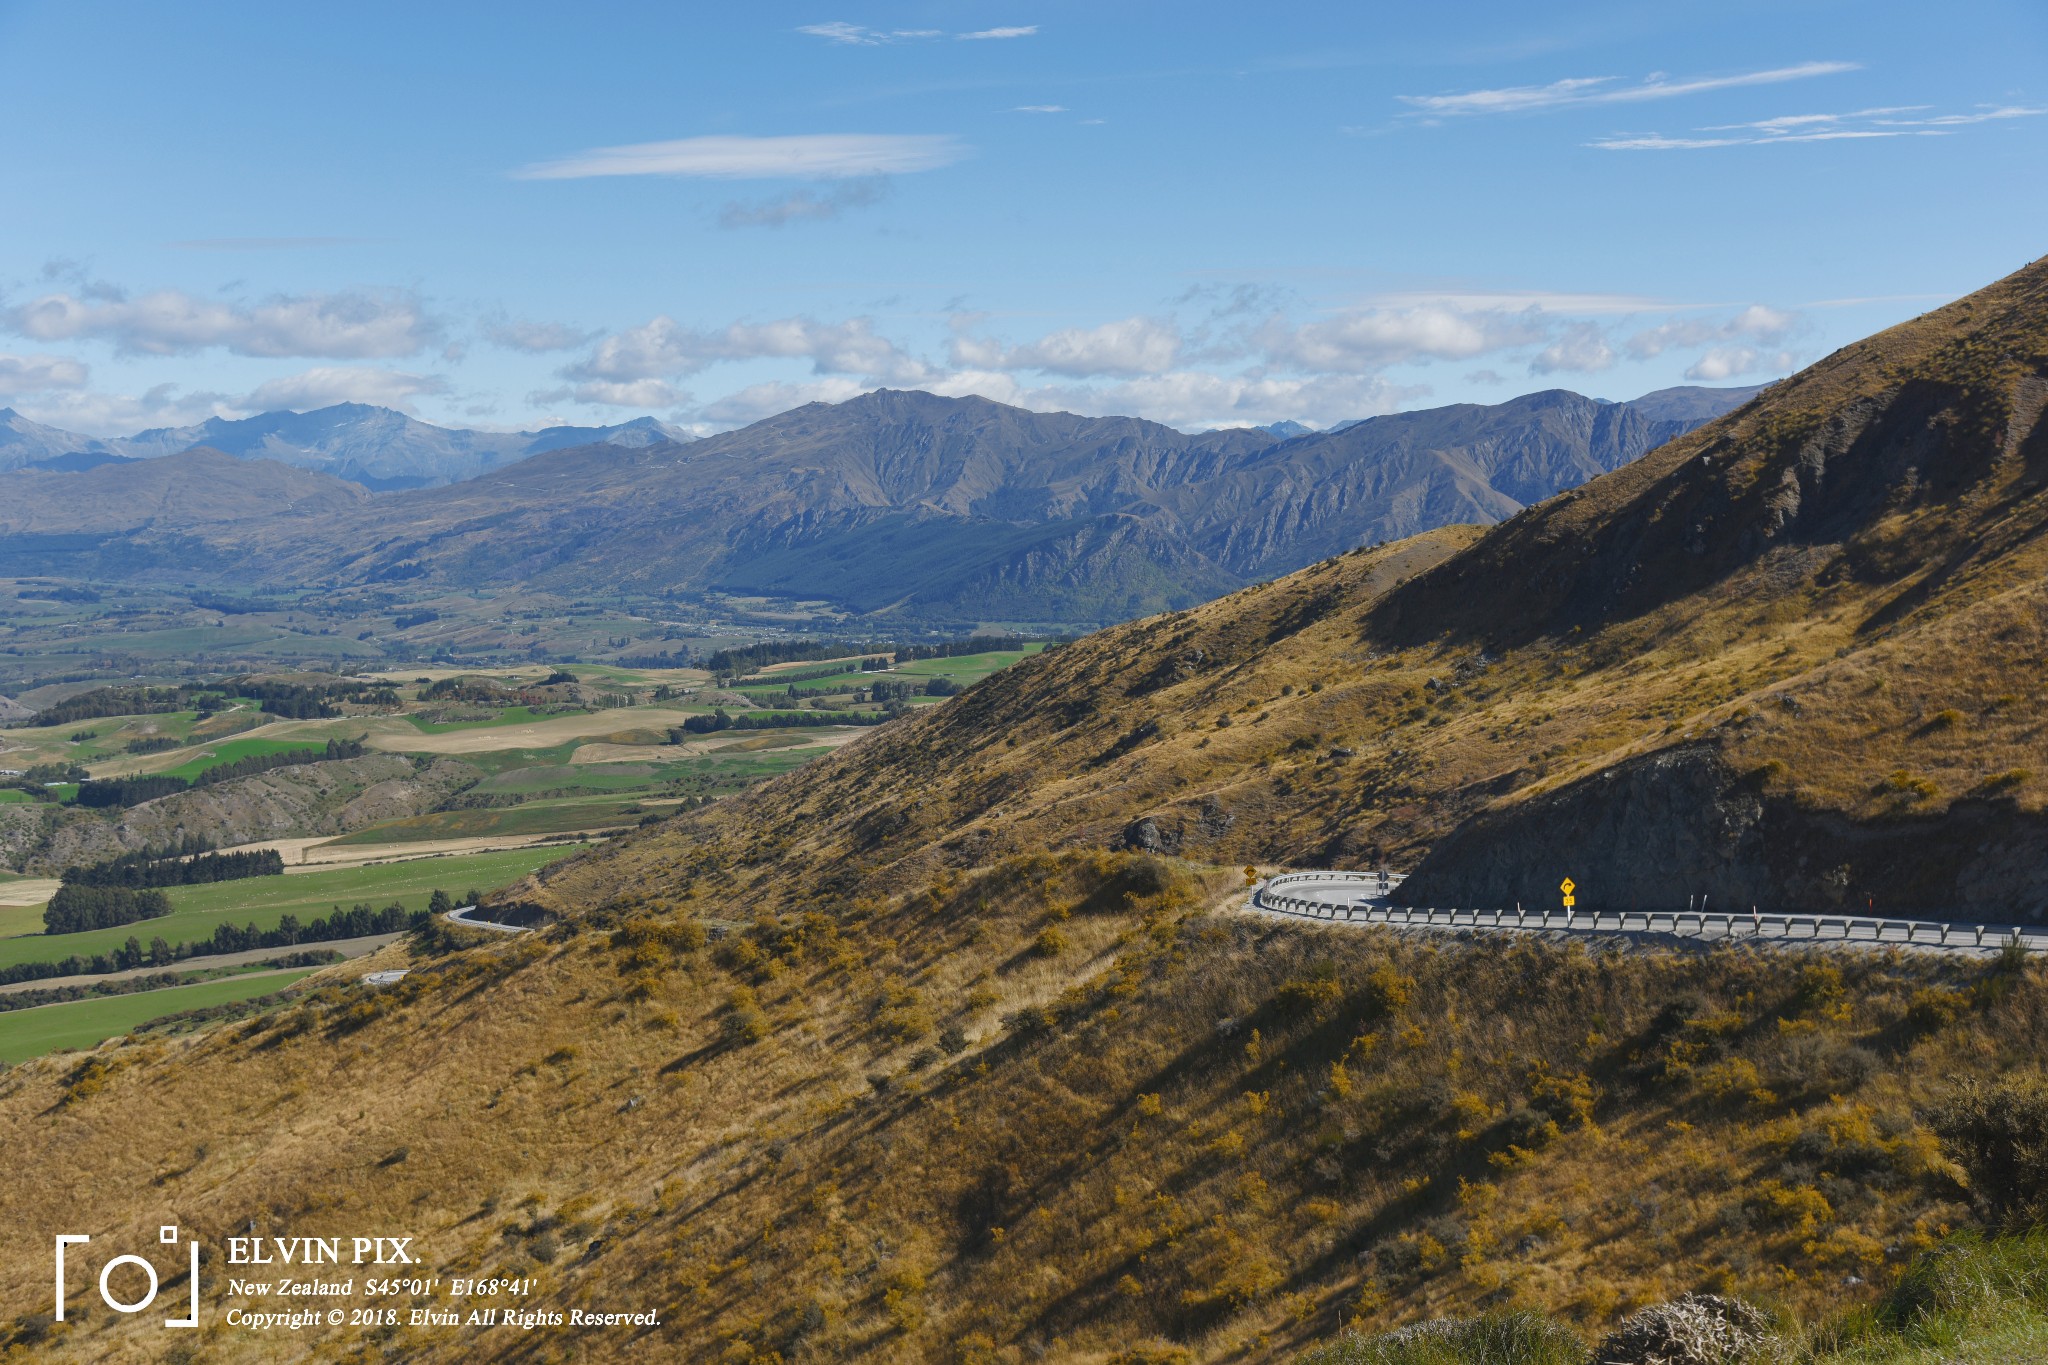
(180, 495)
(1802, 640)
(925, 1051)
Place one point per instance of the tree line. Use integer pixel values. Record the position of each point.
(294, 701)
(151, 868)
(774, 720)
(76, 908)
(356, 922)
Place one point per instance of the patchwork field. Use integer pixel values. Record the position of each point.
(520, 755)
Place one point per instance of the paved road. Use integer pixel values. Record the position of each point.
(461, 915)
(1360, 898)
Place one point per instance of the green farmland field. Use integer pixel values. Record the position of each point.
(231, 751)
(966, 668)
(85, 1023)
(262, 901)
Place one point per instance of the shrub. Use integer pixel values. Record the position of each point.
(1911, 785)
(1998, 1134)
(901, 1015)
(1050, 942)
(1387, 991)
(745, 1021)
(1800, 1207)
(1820, 988)
(1315, 994)
(1934, 1008)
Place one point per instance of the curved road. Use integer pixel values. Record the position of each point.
(1365, 898)
(460, 915)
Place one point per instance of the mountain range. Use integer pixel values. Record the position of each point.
(904, 503)
(375, 447)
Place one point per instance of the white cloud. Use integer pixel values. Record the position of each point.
(756, 401)
(1515, 300)
(536, 338)
(1039, 109)
(662, 348)
(359, 324)
(112, 414)
(39, 374)
(1023, 31)
(1768, 326)
(855, 35)
(1582, 347)
(326, 385)
(1726, 362)
(632, 393)
(1857, 125)
(1219, 357)
(806, 206)
(1582, 90)
(1369, 339)
(1194, 398)
(1130, 347)
(1189, 399)
(813, 156)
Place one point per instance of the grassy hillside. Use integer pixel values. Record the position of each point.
(1061, 1104)
(952, 1046)
(1805, 639)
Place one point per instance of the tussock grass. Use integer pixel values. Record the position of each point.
(894, 1126)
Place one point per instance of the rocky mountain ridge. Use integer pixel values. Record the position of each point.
(949, 510)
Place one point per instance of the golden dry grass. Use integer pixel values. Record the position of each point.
(1059, 1105)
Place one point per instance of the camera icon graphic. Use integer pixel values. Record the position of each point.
(169, 1234)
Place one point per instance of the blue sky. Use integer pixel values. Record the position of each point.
(1204, 213)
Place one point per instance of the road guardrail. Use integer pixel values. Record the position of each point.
(1278, 894)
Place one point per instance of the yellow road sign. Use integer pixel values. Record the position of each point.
(1567, 886)
(1570, 901)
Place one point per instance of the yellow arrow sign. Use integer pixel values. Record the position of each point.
(1567, 886)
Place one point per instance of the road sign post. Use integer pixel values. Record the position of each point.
(1568, 886)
